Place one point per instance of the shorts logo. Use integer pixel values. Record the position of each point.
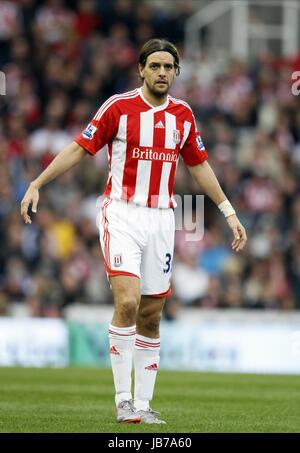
(200, 144)
(89, 131)
(176, 136)
(118, 260)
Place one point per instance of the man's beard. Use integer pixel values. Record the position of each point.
(157, 93)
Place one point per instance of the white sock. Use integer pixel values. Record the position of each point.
(121, 343)
(146, 360)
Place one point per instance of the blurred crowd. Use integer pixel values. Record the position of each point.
(61, 61)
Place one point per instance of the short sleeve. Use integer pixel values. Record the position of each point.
(193, 150)
(101, 130)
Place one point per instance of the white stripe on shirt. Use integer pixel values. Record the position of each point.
(118, 158)
(169, 131)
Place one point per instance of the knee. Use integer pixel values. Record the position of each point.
(128, 308)
(149, 322)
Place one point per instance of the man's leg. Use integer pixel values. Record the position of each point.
(146, 351)
(126, 292)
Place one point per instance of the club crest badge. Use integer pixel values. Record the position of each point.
(176, 136)
(118, 260)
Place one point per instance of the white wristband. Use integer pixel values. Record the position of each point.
(226, 208)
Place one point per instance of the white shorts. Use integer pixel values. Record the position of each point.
(138, 241)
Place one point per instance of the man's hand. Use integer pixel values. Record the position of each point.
(31, 196)
(239, 233)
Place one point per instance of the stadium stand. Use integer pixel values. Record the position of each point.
(60, 63)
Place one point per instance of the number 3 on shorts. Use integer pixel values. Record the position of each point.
(168, 263)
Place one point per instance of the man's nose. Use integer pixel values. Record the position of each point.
(162, 72)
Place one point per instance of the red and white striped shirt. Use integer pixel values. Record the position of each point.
(144, 144)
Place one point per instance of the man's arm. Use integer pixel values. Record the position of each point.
(71, 155)
(207, 180)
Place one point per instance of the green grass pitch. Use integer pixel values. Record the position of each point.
(81, 400)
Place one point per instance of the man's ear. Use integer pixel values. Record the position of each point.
(141, 71)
